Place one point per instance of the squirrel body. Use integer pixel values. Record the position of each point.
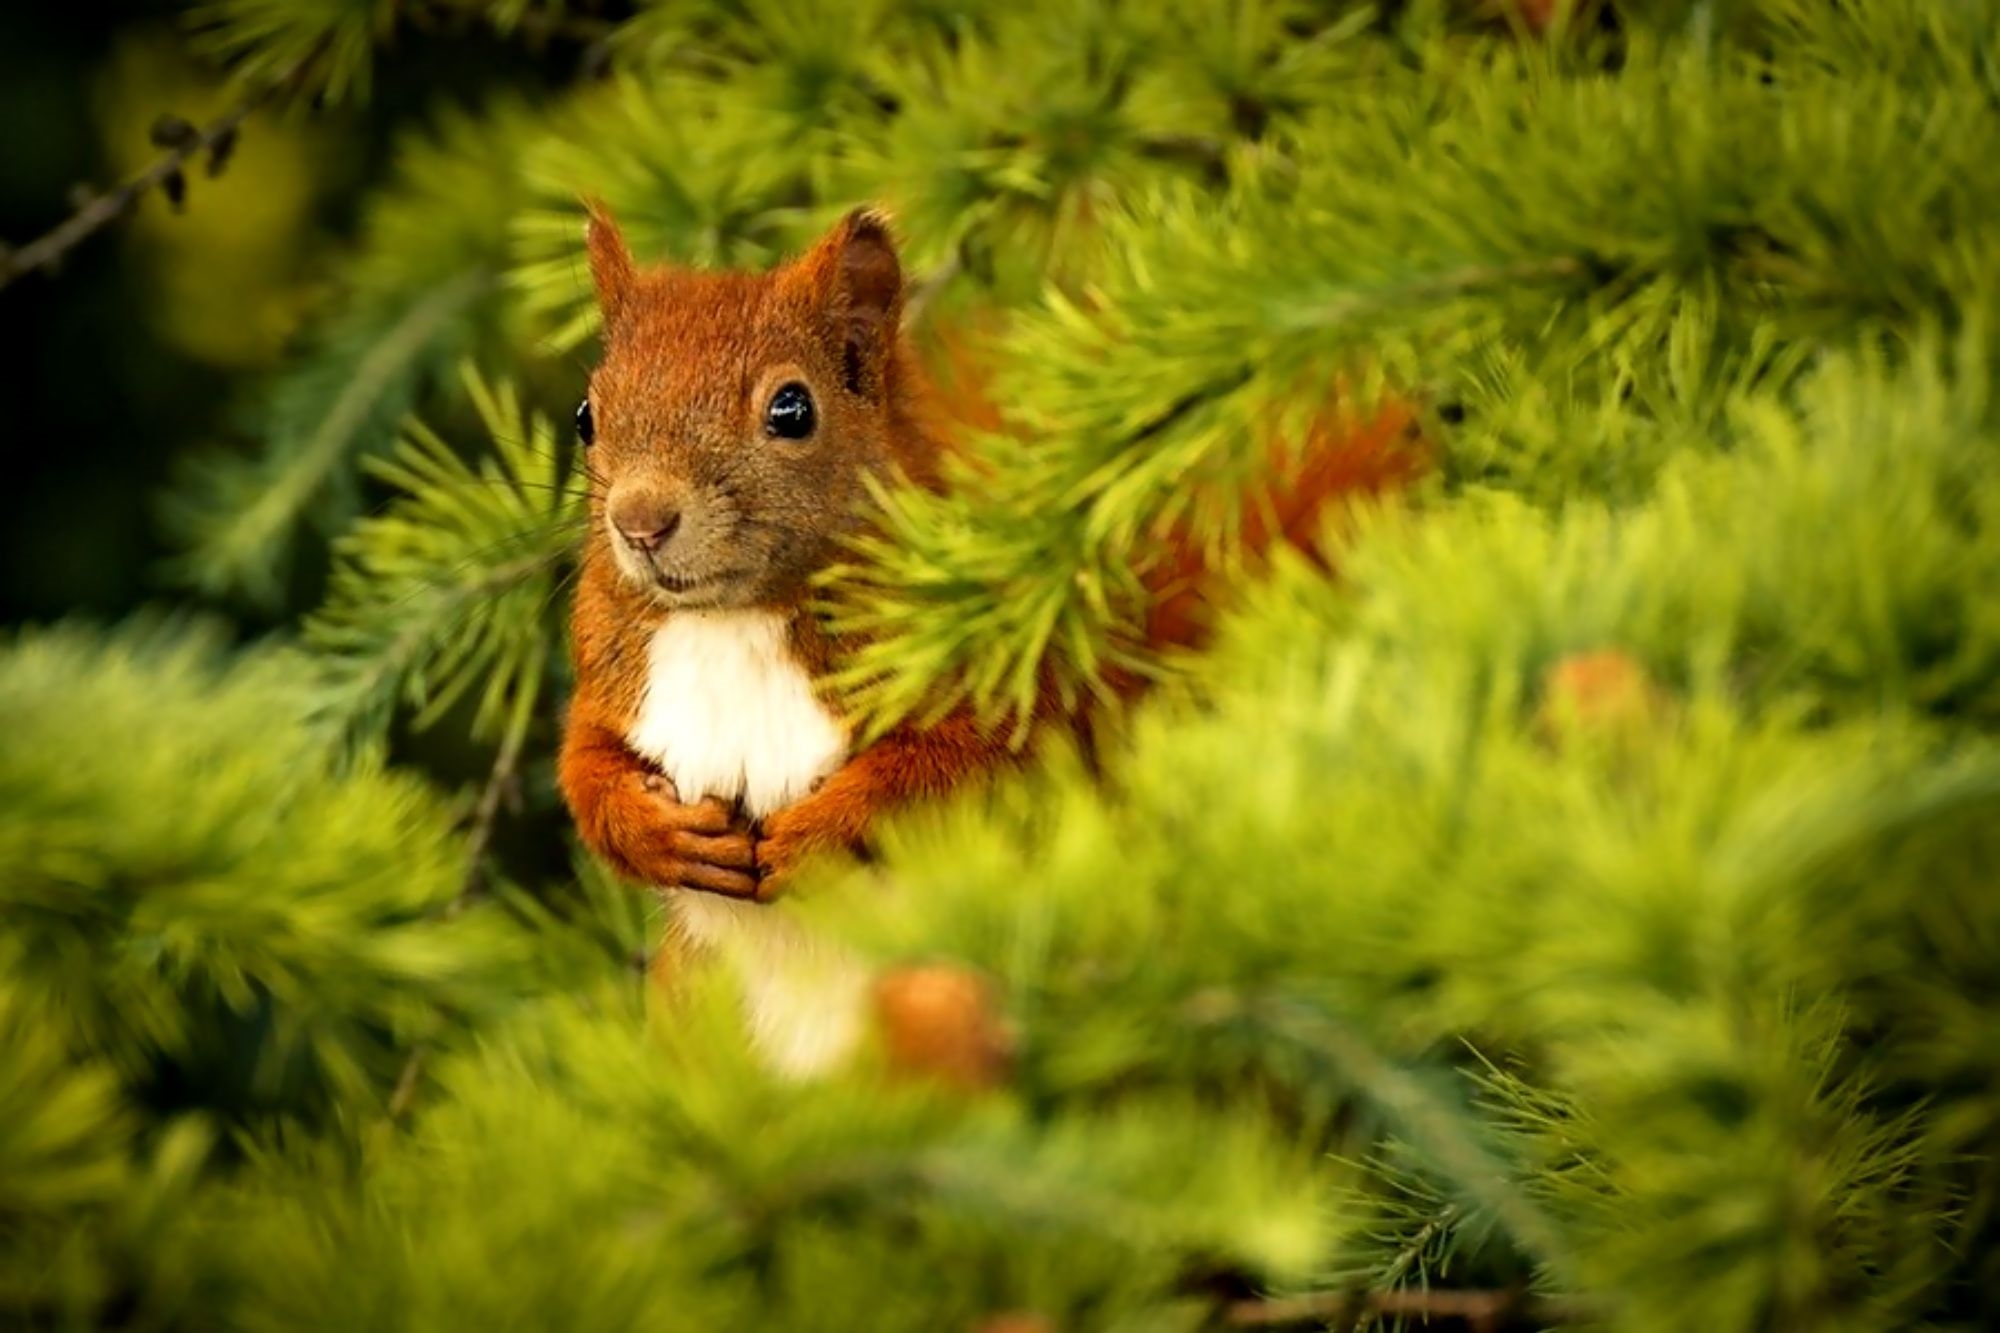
(730, 433)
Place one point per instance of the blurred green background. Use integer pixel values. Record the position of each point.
(141, 346)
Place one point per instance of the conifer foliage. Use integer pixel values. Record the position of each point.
(1578, 911)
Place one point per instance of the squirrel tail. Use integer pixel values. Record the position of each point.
(1343, 458)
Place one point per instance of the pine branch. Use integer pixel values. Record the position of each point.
(241, 515)
(449, 590)
(418, 291)
(248, 874)
(1392, 1274)
(216, 139)
(1454, 1142)
(386, 668)
(1482, 1311)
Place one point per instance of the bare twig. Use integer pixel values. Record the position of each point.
(99, 211)
(95, 212)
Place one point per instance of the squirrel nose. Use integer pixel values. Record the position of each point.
(648, 523)
(651, 535)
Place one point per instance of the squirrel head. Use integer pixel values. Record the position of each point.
(735, 416)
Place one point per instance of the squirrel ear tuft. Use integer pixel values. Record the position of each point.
(859, 280)
(611, 267)
(871, 277)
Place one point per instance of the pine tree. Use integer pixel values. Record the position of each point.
(1577, 911)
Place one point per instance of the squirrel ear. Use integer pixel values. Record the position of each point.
(860, 282)
(611, 267)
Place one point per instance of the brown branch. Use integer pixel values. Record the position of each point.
(100, 211)
(1485, 1311)
(485, 818)
(486, 814)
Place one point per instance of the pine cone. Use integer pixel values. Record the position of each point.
(1606, 694)
(941, 1021)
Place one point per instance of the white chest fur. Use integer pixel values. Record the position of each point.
(728, 712)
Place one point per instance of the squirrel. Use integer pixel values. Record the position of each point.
(729, 433)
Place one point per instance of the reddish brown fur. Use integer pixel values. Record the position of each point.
(687, 357)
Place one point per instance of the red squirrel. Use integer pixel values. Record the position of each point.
(728, 431)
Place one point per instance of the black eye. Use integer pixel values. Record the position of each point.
(586, 429)
(790, 415)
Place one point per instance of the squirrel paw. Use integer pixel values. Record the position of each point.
(787, 839)
(706, 846)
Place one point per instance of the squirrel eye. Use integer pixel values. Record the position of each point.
(586, 429)
(790, 415)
